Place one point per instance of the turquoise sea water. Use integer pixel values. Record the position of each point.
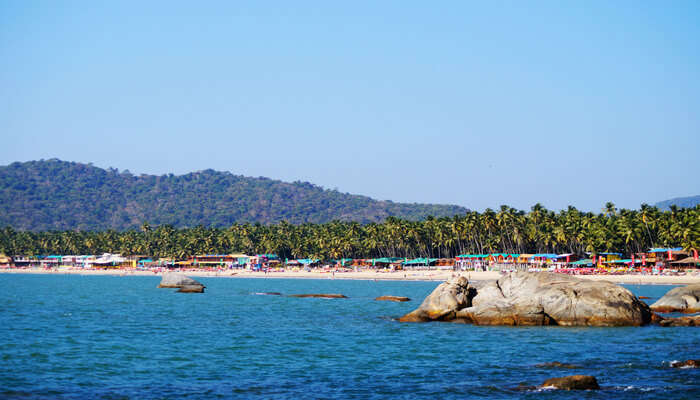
(77, 337)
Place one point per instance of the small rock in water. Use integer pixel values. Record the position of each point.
(680, 321)
(686, 364)
(321, 295)
(572, 382)
(557, 364)
(393, 298)
(523, 387)
(191, 289)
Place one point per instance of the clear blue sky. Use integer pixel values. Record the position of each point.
(476, 104)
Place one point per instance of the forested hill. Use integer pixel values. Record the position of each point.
(681, 202)
(60, 195)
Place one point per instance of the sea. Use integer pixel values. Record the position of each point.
(112, 337)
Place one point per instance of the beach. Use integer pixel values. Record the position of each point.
(370, 275)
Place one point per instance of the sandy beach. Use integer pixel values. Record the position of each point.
(433, 275)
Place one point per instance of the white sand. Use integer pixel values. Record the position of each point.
(362, 275)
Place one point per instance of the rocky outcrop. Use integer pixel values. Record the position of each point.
(533, 298)
(321, 295)
(685, 364)
(681, 299)
(176, 280)
(572, 382)
(392, 298)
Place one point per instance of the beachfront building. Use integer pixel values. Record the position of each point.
(5, 261)
(663, 256)
(420, 263)
(692, 261)
(472, 262)
(305, 263)
(386, 262)
(109, 260)
(601, 258)
(213, 260)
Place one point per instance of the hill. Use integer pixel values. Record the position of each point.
(682, 202)
(60, 195)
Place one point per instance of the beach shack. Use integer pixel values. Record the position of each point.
(109, 260)
(445, 263)
(420, 263)
(471, 261)
(542, 260)
(690, 262)
(342, 262)
(5, 261)
(306, 263)
(523, 258)
(567, 258)
(664, 256)
(386, 262)
(219, 260)
(601, 258)
(503, 258)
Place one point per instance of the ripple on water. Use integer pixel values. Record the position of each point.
(114, 337)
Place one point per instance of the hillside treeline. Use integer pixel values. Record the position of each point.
(505, 230)
(60, 195)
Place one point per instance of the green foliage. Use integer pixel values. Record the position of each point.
(53, 194)
(81, 209)
(506, 230)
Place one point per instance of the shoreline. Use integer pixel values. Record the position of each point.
(415, 276)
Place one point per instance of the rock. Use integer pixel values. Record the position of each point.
(656, 318)
(191, 289)
(321, 296)
(557, 364)
(176, 280)
(680, 321)
(681, 299)
(572, 382)
(533, 298)
(443, 302)
(523, 387)
(393, 298)
(685, 364)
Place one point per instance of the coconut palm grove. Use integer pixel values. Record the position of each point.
(507, 230)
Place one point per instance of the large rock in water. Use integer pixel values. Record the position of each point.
(176, 280)
(681, 299)
(443, 302)
(533, 298)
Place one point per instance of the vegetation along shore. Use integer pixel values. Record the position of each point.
(505, 230)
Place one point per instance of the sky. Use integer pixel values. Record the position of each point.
(471, 103)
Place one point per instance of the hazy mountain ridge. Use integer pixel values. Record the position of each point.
(58, 195)
(683, 202)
